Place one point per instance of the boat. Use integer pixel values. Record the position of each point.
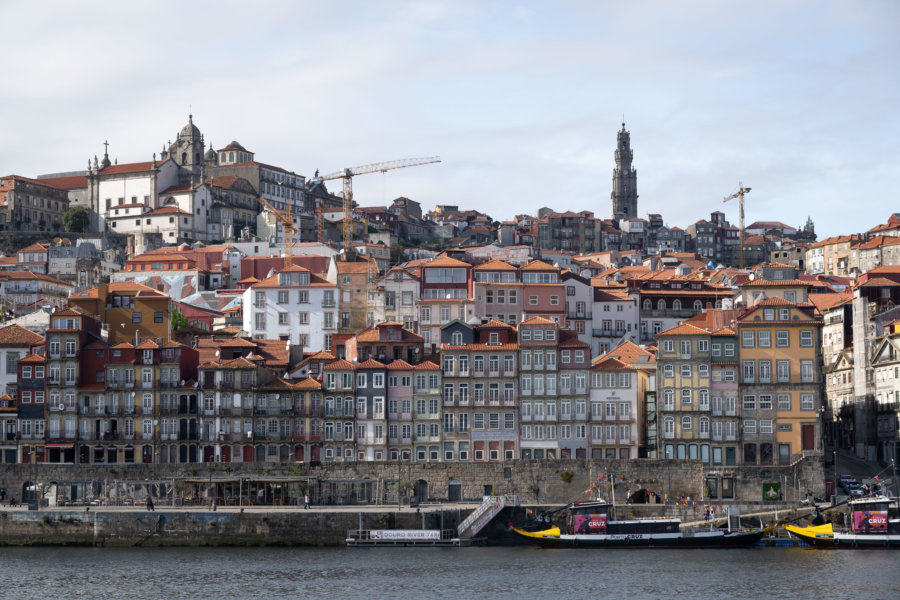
(593, 524)
(874, 523)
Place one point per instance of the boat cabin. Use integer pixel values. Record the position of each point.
(600, 518)
(875, 515)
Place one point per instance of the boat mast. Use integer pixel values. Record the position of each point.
(612, 494)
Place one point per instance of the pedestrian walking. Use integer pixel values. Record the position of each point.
(306, 501)
(150, 506)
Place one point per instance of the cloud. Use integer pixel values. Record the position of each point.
(521, 100)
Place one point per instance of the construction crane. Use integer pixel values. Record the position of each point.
(347, 176)
(740, 196)
(287, 224)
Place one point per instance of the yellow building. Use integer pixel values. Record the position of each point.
(132, 312)
(780, 394)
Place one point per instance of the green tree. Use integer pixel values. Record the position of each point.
(76, 219)
(179, 321)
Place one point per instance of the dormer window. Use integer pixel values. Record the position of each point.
(494, 338)
(457, 339)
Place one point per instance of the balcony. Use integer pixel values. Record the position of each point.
(579, 314)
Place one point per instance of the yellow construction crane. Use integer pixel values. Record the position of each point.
(287, 224)
(740, 196)
(348, 174)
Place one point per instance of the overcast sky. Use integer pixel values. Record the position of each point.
(522, 100)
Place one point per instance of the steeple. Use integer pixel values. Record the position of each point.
(624, 191)
(105, 162)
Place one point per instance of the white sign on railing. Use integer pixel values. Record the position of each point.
(405, 534)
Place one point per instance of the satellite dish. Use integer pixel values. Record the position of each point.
(751, 276)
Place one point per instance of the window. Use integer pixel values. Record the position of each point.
(135, 317)
(668, 346)
(686, 370)
(782, 338)
(668, 370)
(784, 402)
(765, 371)
(765, 426)
(765, 402)
(749, 426)
(806, 370)
(783, 370)
(749, 370)
(685, 396)
(717, 349)
(747, 339)
(806, 338)
(703, 370)
(764, 338)
(749, 402)
(807, 402)
(158, 317)
(703, 345)
(686, 423)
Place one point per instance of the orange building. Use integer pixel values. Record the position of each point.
(132, 312)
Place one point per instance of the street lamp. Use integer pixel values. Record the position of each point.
(834, 475)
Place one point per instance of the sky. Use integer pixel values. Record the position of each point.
(521, 100)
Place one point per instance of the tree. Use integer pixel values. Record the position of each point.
(76, 219)
(179, 321)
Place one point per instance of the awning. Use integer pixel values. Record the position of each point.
(61, 445)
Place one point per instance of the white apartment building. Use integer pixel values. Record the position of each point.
(294, 305)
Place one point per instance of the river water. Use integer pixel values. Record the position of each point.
(470, 573)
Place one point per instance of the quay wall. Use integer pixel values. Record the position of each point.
(121, 528)
(534, 481)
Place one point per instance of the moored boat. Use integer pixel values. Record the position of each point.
(594, 525)
(874, 523)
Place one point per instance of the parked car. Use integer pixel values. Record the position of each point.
(854, 489)
(847, 480)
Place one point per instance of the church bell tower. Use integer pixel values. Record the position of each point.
(624, 191)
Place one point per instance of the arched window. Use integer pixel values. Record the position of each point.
(661, 305)
(669, 426)
(184, 158)
(685, 396)
(456, 339)
(686, 423)
(647, 304)
(669, 399)
(698, 306)
(676, 304)
(704, 426)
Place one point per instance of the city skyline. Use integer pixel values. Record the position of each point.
(792, 100)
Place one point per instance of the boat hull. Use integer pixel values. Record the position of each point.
(819, 539)
(705, 539)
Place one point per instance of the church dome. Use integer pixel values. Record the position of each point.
(210, 154)
(190, 130)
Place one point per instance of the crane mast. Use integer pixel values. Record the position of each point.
(742, 191)
(347, 174)
(287, 224)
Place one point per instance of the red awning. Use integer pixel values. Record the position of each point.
(62, 445)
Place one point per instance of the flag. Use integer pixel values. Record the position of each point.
(877, 478)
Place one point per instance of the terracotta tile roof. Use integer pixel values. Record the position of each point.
(16, 335)
(825, 302)
(35, 248)
(167, 210)
(776, 283)
(127, 168)
(539, 265)
(495, 324)
(446, 261)
(371, 334)
(308, 384)
(724, 331)
(608, 363)
(684, 329)
(629, 352)
(427, 366)
(147, 345)
(69, 182)
(483, 347)
(340, 365)
(495, 265)
(32, 358)
(124, 346)
(778, 301)
(878, 281)
(371, 364)
(400, 365)
(537, 321)
(352, 268)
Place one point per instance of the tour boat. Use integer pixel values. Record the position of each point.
(874, 523)
(594, 524)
